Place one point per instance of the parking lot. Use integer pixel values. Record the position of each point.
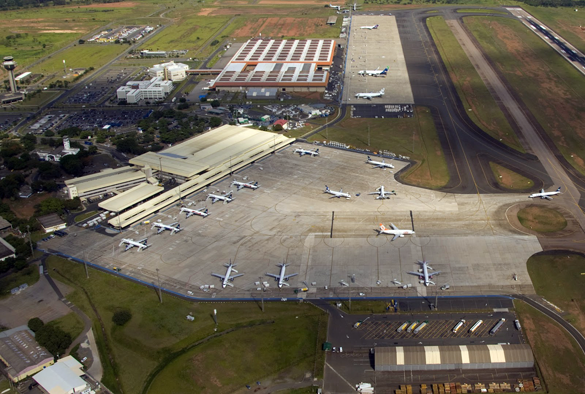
(290, 219)
(88, 119)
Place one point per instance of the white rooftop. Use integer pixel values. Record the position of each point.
(62, 378)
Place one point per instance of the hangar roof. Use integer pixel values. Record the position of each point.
(130, 197)
(20, 350)
(105, 178)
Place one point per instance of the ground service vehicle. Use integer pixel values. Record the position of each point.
(458, 326)
(403, 326)
(517, 324)
(412, 326)
(417, 330)
(497, 326)
(476, 325)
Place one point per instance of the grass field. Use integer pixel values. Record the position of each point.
(558, 279)
(80, 56)
(541, 219)
(29, 275)
(480, 10)
(44, 30)
(85, 215)
(473, 93)
(552, 89)
(559, 358)
(510, 179)
(564, 21)
(5, 387)
(158, 332)
(399, 136)
(70, 323)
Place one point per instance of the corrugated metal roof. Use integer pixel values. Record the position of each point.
(130, 197)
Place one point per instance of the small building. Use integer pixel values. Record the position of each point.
(169, 71)
(307, 109)
(262, 93)
(64, 377)
(57, 153)
(332, 20)
(21, 354)
(4, 224)
(156, 89)
(51, 222)
(6, 250)
(147, 53)
(282, 122)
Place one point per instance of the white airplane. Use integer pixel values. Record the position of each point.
(370, 96)
(130, 243)
(395, 231)
(424, 275)
(382, 194)
(337, 7)
(374, 73)
(303, 152)
(379, 164)
(249, 185)
(335, 194)
(546, 195)
(228, 277)
(282, 277)
(190, 212)
(373, 27)
(173, 227)
(226, 198)
(397, 282)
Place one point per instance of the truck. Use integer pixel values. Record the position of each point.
(517, 325)
(423, 325)
(403, 326)
(412, 326)
(458, 326)
(476, 325)
(497, 326)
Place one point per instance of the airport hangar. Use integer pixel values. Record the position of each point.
(289, 65)
(371, 49)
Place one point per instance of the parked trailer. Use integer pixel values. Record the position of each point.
(417, 330)
(517, 324)
(458, 325)
(497, 326)
(476, 325)
(403, 326)
(412, 326)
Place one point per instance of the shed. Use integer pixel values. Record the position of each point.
(51, 222)
(262, 93)
(6, 250)
(332, 20)
(4, 224)
(21, 353)
(282, 122)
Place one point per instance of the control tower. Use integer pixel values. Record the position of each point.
(9, 64)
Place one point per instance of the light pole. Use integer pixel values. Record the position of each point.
(262, 291)
(159, 289)
(30, 240)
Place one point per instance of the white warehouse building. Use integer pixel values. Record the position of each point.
(155, 89)
(169, 71)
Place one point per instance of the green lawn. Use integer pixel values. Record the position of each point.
(560, 359)
(480, 10)
(541, 219)
(85, 215)
(473, 93)
(5, 385)
(510, 179)
(70, 323)
(548, 85)
(564, 21)
(80, 56)
(400, 136)
(158, 332)
(557, 277)
(29, 275)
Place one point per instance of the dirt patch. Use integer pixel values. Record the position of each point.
(275, 27)
(59, 31)
(205, 11)
(254, 11)
(296, 2)
(25, 207)
(122, 4)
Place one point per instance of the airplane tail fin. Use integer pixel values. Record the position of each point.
(385, 71)
(559, 189)
(317, 151)
(369, 158)
(382, 227)
(326, 188)
(383, 90)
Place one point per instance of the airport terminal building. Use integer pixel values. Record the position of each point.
(289, 65)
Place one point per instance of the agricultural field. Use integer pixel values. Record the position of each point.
(415, 137)
(557, 277)
(560, 359)
(473, 93)
(30, 34)
(147, 347)
(549, 86)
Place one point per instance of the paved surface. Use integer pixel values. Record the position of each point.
(371, 50)
(324, 240)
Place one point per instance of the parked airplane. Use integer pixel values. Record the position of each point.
(173, 227)
(130, 243)
(338, 194)
(370, 96)
(373, 27)
(226, 198)
(424, 275)
(374, 73)
(337, 7)
(394, 231)
(379, 164)
(249, 185)
(190, 212)
(382, 194)
(546, 195)
(303, 152)
(228, 277)
(397, 282)
(282, 277)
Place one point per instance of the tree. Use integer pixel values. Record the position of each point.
(29, 141)
(72, 165)
(54, 339)
(277, 127)
(50, 205)
(214, 121)
(121, 317)
(49, 133)
(215, 103)
(35, 324)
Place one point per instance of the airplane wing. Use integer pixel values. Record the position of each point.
(415, 273)
(128, 246)
(189, 213)
(396, 236)
(393, 226)
(547, 197)
(236, 276)
(222, 277)
(431, 274)
(273, 276)
(173, 224)
(542, 190)
(160, 230)
(142, 241)
(287, 277)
